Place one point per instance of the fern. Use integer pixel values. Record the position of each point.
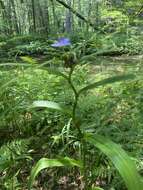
(12, 156)
(11, 152)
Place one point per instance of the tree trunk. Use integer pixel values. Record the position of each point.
(79, 10)
(79, 15)
(68, 24)
(15, 17)
(46, 16)
(56, 22)
(33, 15)
(4, 15)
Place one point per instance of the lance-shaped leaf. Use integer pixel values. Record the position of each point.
(123, 163)
(49, 163)
(50, 105)
(107, 81)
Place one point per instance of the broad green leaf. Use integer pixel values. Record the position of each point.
(107, 81)
(49, 163)
(50, 105)
(123, 163)
(47, 104)
(28, 59)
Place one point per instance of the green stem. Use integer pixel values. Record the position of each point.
(76, 95)
(84, 147)
(75, 123)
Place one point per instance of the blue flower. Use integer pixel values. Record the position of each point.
(62, 42)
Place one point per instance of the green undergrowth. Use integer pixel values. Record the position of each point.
(27, 134)
(110, 44)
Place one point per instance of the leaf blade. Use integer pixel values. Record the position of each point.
(106, 81)
(123, 163)
(46, 163)
(50, 105)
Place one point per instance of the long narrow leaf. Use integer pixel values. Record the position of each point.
(50, 105)
(48, 163)
(107, 81)
(123, 163)
(47, 104)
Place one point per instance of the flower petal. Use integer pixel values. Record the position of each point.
(62, 42)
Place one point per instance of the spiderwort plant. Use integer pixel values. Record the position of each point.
(123, 163)
(70, 61)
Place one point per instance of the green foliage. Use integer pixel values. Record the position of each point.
(54, 112)
(47, 163)
(50, 105)
(12, 156)
(13, 151)
(114, 20)
(26, 45)
(114, 44)
(18, 40)
(123, 163)
(106, 110)
(33, 48)
(106, 81)
(120, 159)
